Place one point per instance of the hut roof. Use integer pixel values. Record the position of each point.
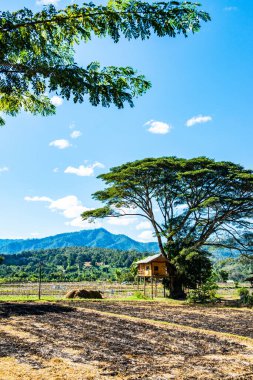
(149, 259)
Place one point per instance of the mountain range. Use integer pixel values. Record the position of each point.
(85, 238)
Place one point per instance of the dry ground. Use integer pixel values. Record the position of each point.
(120, 340)
(229, 320)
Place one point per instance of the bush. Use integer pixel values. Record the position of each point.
(140, 296)
(245, 297)
(250, 300)
(204, 293)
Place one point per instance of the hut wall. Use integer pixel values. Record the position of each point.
(159, 268)
(154, 268)
(144, 270)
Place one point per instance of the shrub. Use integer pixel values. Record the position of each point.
(245, 297)
(250, 300)
(236, 284)
(140, 296)
(204, 293)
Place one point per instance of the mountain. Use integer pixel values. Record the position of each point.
(85, 238)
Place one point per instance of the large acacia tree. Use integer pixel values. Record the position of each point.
(37, 51)
(192, 205)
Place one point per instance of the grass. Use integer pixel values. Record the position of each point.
(225, 292)
(24, 298)
(28, 298)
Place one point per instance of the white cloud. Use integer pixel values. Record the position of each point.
(75, 134)
(74, 211)
(83, 171)
(70, 207)
(158, 127)
(60, 144)
(122, 221)
(78, 222)
(146, 236)
(72, 125)
(230, 9)
(56, 170)
(143, 225)
(181, 208)
(37, 199)
(56, 100)
(35, 235)
(4, 169)
(47, 2)
(64, 203)
(198, 120)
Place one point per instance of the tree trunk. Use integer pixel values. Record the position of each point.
(176, 287)
(175, 283)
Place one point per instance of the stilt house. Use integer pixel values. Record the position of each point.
(152, 269)
(153, 266)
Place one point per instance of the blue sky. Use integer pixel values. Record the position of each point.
(47, 176)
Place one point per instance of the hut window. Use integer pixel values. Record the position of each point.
(147, 267)
(155, 268)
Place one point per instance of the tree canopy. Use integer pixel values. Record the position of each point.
(192, 205)
(69, 264)
(37, 51)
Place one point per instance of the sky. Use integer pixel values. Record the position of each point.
(200, 104)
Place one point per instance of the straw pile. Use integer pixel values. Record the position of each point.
(83, 293)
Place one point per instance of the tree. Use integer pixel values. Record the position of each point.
(37, 51)
(223, 275)
(192, 205)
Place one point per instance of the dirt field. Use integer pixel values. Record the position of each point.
(123, 340)
(229, 320)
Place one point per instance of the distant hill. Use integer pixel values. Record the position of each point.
(100, 238)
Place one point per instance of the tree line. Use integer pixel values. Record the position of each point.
(93, 264)
(70, 264)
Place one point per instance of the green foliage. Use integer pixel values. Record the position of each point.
(243, 292)
(69, 264)
(1, 259)
(237, 269)
(201, 204)
(127, 274)
(245, 297)
(204, 293)
(140, 296)
(195, 268)
(37, 51)
(223, 275)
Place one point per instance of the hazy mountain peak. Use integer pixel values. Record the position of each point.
(99, 237)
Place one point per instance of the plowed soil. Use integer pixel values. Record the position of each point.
(123, 341)
(222, 319)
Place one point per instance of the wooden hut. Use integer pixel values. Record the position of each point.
(153, 266)
(152, 269)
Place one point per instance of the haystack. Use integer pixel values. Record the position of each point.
(95, 294)
(71, 294)
(83, 293)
